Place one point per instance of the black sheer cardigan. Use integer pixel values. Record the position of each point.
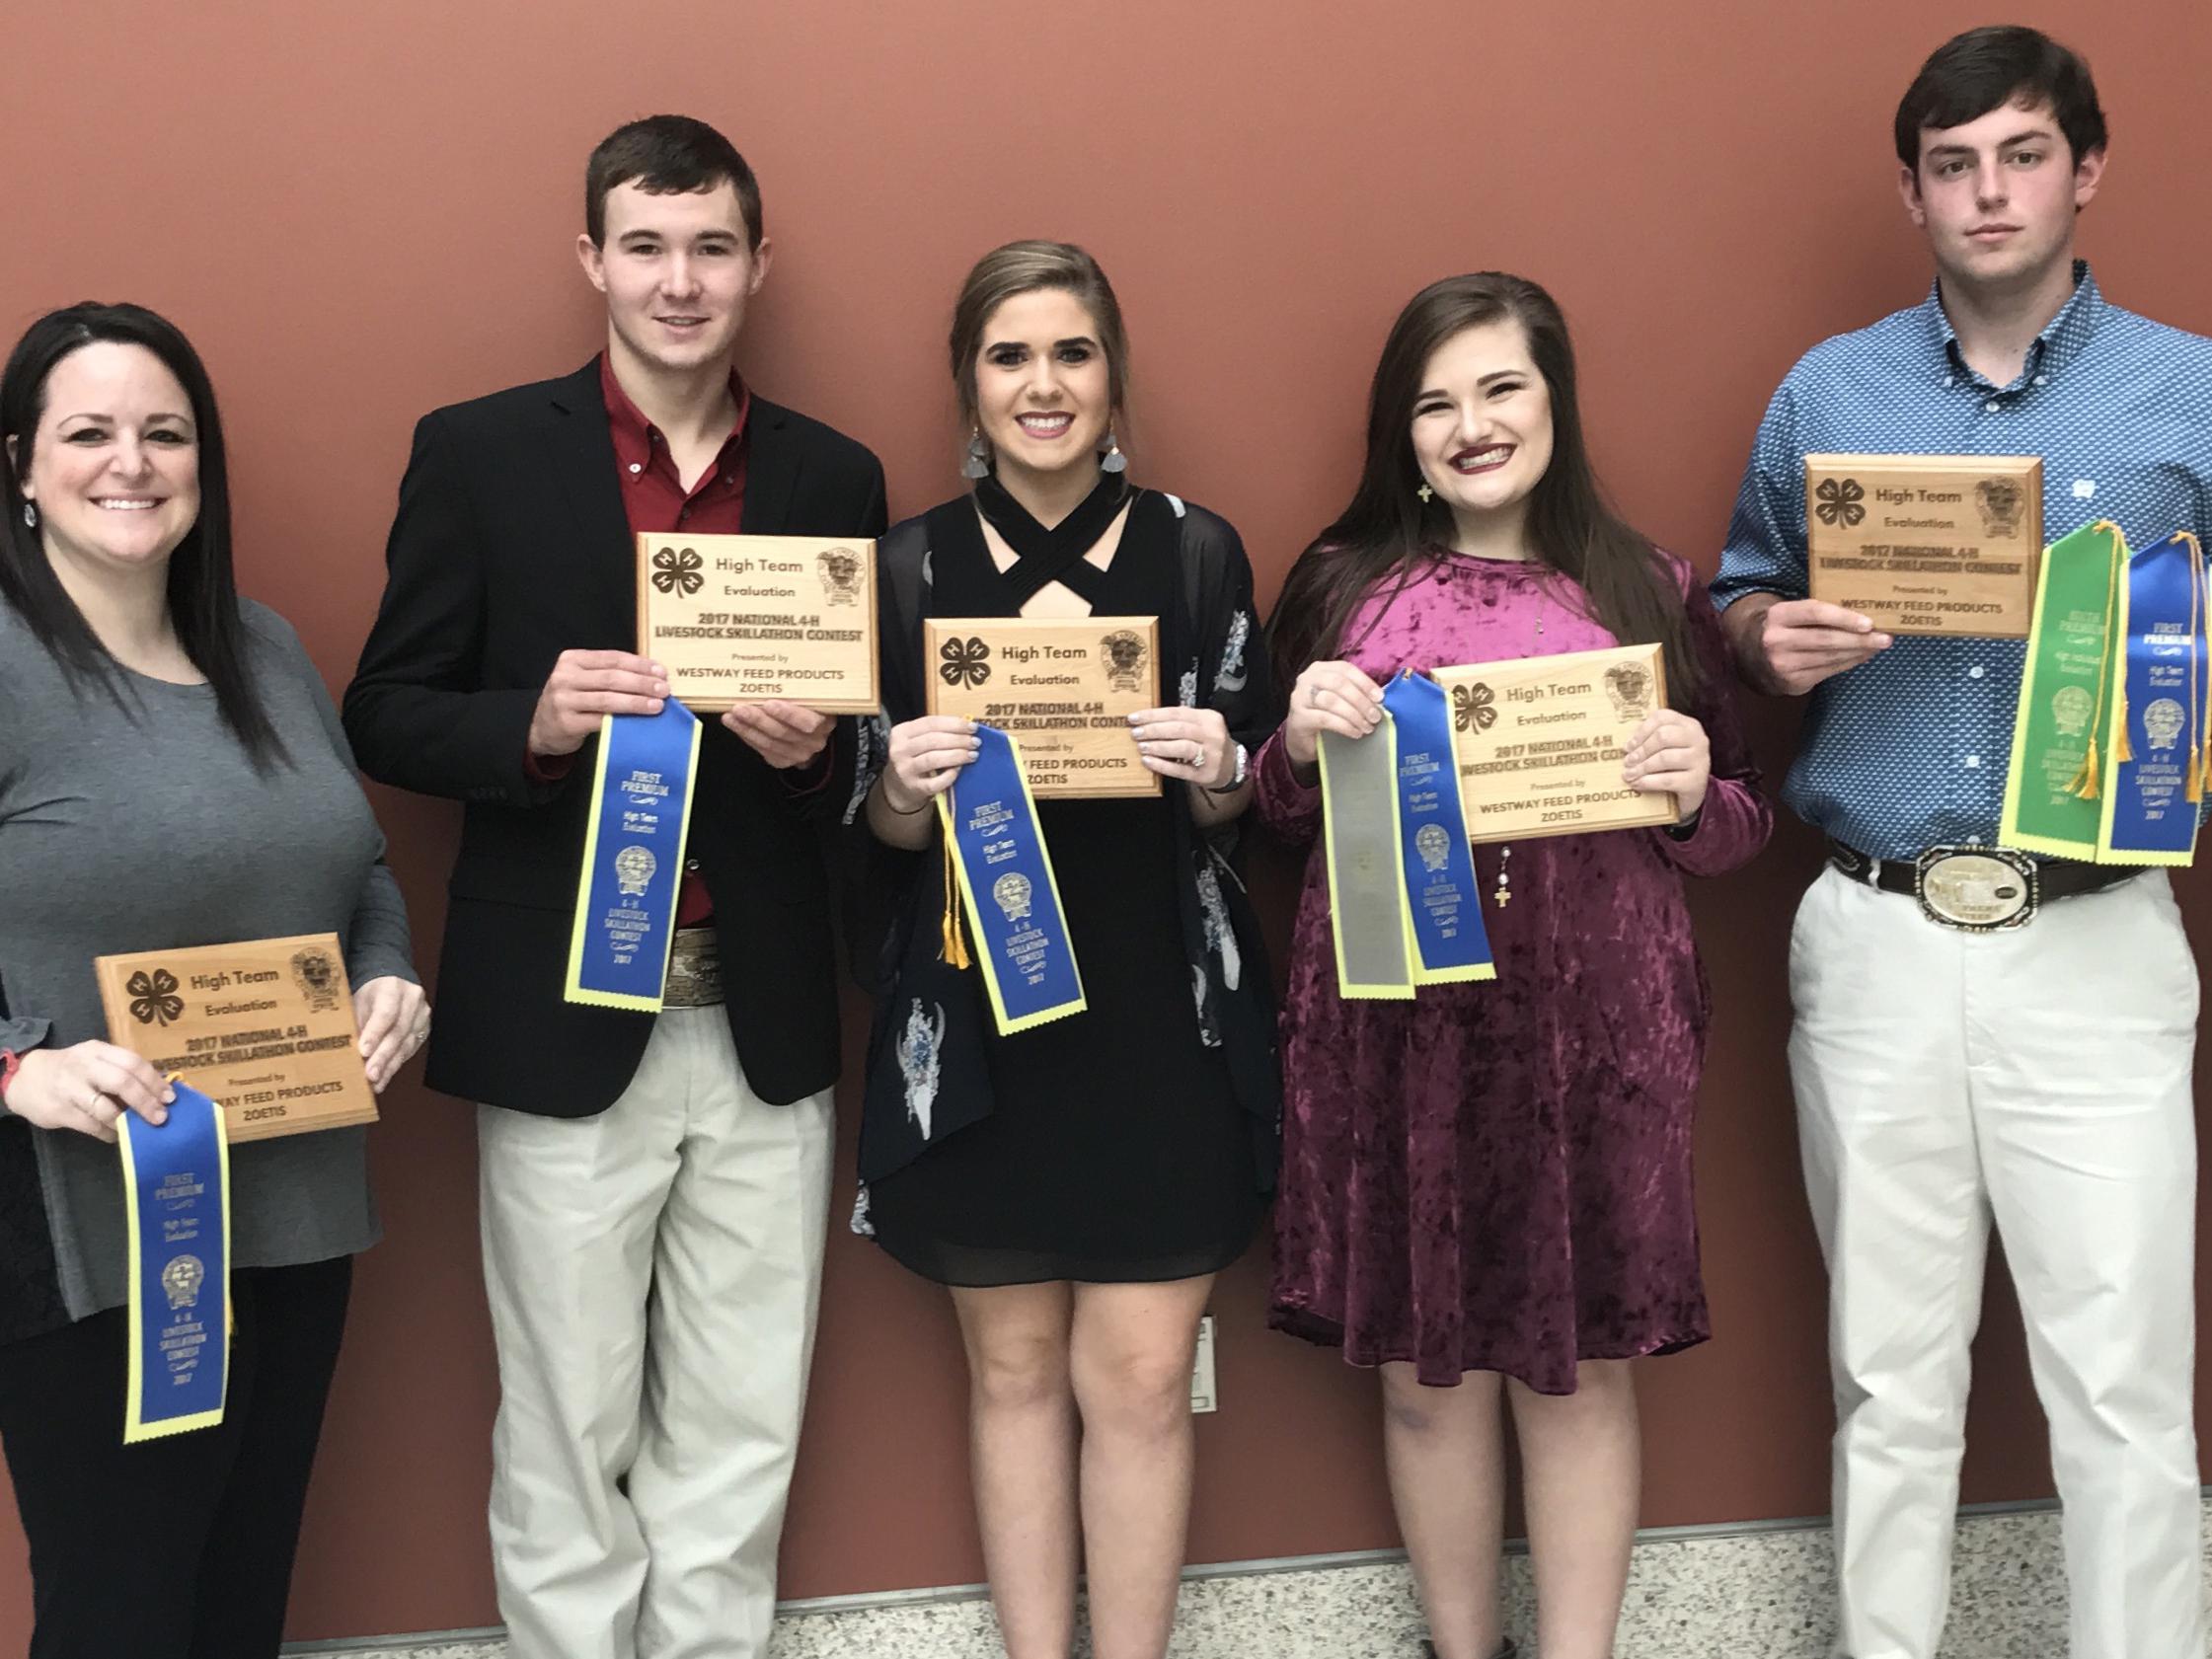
(926, 1052)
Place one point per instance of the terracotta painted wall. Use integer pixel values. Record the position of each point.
(362, 212)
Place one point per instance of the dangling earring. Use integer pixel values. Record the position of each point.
(1425, 494)
(978, 461)
(29, 516)
(1112, 461)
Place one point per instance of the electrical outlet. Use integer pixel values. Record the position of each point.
(1202, 1397)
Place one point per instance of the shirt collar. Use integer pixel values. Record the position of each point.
(2063, 338)
(633, 434)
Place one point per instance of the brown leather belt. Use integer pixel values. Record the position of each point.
(1978, 888)
(694, 970)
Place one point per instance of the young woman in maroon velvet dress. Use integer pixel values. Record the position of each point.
(1485, 1190)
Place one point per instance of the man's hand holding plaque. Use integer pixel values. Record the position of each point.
(762, 619)
(1927, 544)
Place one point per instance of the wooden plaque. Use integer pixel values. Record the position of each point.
(264, 1028)
(1927, 544)
(746, 619)
(1538, 743)
(1062, 687)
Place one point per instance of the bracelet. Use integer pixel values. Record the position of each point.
(1236, 778)
(905, 811)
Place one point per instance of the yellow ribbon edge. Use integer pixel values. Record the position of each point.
(136, 1427)
(1347, 987)
(572, 990)
(2009, 832)
(1079, 1003)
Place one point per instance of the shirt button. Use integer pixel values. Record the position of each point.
(1990, 407)
(691, 864)
(1975, 672)
(1950, 380)
(637, 467)
(1973, 761)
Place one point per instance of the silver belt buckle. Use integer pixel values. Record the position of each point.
(694, 970)
(1976, 890)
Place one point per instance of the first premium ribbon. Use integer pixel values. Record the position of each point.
(1403, 898)
(2151, 807)
(1005, 879)
(176, 1205)
(632, 859)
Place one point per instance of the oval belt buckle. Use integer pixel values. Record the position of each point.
(1978, 889)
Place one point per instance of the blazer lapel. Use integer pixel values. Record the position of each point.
(770, 470)
(581, 449)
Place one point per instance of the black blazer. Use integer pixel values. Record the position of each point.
(511, 546)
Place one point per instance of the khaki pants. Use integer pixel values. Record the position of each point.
(2040, 1078)
(653, 1273)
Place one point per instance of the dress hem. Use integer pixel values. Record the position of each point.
(1325, 1332)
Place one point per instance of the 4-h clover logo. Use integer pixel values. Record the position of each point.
(1474, 708)
(678, 572)
(1840, 499)
(965, 662)
(153, 997)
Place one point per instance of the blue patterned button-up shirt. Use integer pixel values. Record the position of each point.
(1909, 749)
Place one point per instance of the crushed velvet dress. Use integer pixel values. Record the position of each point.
(1495, 1176)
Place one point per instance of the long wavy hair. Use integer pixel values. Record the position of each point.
(202, 590)
(1387, 529)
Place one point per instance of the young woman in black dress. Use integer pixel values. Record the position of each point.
(1078, 1184)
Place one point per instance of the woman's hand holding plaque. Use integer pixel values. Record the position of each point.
(85, 1088)
(1669, 754)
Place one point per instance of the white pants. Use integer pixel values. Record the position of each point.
(2041, 1077)
(653, 1273)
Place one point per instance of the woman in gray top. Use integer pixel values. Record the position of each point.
(172, 773)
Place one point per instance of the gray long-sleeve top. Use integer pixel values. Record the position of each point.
(149, 829)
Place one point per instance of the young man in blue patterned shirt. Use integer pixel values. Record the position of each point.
(2039, 1075)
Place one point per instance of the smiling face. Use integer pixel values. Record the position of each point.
(1043, 393)
(1481, 422)
(1998, 195)
(114, 467)
(677, 272)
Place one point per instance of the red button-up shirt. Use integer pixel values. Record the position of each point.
(657, 502)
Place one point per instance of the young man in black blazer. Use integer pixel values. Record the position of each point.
(655, 1188)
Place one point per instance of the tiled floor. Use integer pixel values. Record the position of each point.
(1764, 1594)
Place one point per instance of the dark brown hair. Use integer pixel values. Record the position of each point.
(1387, 529)
(1985, 69)
(1024, 268)
(668, 155)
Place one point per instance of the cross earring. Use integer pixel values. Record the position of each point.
(1425, 494)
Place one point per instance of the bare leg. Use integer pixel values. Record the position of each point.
(1581, 1468)
(1022, 1433)
(1131, 1357)
(1445, 1449)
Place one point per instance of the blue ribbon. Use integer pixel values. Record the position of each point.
(1005, 878)
(2149, 816)
(1443, 900)
(176, 1180)
(632, 859)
